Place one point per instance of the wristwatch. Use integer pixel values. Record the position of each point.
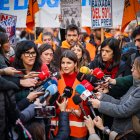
(106, 130)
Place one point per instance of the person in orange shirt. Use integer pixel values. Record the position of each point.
(68, 66)
(72, 36)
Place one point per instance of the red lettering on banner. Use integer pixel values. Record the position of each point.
(106, 12)
(96, 13)
(4, 17)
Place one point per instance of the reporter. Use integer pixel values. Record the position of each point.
(109, 58)
(124, 109)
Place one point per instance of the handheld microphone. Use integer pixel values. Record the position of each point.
(77, 100)
(84, 94)
(41, 77)
(91, 108)
(89, 87)
(100, 75)
(46, 84)
(51, 90)
(67, 92)
(92, 79)
(97, 72)
(85, 70)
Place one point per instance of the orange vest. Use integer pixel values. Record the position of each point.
(91, 49)
(77, 125)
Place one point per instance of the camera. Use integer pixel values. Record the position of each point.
(45, 112)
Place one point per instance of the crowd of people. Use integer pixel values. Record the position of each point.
(47, 72)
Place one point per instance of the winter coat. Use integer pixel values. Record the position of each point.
(8, 114)
(122, 110)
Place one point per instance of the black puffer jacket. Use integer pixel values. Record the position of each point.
(7, 106)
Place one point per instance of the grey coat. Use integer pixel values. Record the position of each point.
(123, 109)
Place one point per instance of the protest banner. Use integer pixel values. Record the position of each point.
(71, 12)
(101, 13)
(8, 22)
(50, 9)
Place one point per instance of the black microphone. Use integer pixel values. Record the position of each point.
(77, 100)
(91, 108)
(81, 76)
(67, 92)
(92, 79)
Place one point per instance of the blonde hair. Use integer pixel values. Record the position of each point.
(137, 64)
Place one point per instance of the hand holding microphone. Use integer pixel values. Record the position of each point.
(33, 95)
(95, 103)
(85, 95)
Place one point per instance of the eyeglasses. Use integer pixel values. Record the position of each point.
(30, 54)
(137, 40)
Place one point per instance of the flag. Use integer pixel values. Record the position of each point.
(32, 9)
(131, 7)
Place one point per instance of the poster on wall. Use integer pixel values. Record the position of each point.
(101, 13)
(71, 12)
(8, 22)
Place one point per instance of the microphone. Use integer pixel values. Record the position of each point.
(51, 90)
(85, 70)
(67, 92)
(41, 77)
(91, 108)
(81, 76)
(97, 72)
(84, 94)
(89, 87)
(46, 84)
(92, 79)
(77, 100)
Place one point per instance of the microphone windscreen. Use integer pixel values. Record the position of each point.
(81, 76)
(85, 70)
(76, 99)
(92, 79)
(52, 89)
(52, 81)
(97, 72)
(80, 88)
(67, 92)
(87, 85)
